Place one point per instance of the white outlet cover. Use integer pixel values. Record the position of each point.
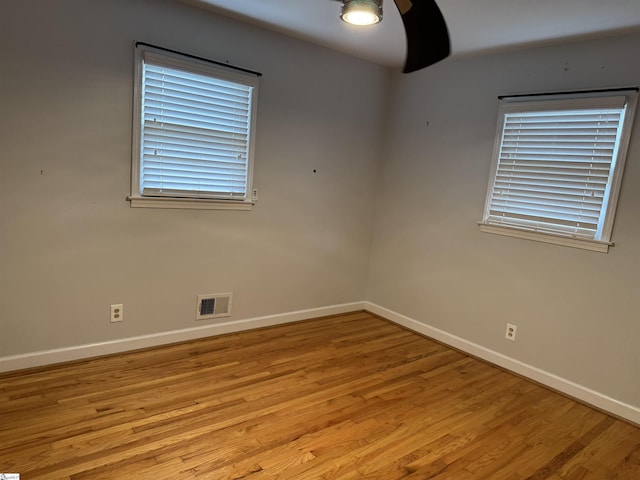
(510, 333)
(117, 313)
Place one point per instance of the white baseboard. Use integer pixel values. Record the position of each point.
(573, 390)
(79, 352)
(579, 392)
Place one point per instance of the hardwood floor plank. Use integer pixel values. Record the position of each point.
(338, 398)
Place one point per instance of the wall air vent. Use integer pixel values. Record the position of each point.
(213, 305)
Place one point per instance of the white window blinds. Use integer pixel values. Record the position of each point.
(196, 129)
(556, 167)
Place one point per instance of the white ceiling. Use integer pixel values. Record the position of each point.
(474, 25)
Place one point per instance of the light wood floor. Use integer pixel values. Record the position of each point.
(344, 397)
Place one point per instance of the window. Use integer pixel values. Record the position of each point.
(194, 125)
(557, 167)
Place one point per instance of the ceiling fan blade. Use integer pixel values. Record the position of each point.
(427, 34)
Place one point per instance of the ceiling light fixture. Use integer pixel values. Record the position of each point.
(361, 12)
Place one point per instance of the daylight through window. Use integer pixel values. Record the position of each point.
(194, 133)
(557, 168)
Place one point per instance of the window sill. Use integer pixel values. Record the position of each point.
(592, 245)
(189, 203)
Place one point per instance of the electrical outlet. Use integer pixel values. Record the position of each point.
(117, 313)
(510, 334)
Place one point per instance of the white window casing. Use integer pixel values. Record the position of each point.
(193, 134)
(557, 167)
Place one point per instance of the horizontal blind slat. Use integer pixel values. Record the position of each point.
(204, 124)
(176, 93)
(212, 148)
(195, 136)
(176, 109)
(537, 225)
(197, 80)
(547, 210)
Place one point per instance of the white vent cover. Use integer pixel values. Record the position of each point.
(213, 305)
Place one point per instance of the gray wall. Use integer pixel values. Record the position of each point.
(70, 243)
(577, 312)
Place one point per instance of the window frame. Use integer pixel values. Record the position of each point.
(567, 102)
(200, 66)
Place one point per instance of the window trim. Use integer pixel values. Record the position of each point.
(202, 66)
(547, 102)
